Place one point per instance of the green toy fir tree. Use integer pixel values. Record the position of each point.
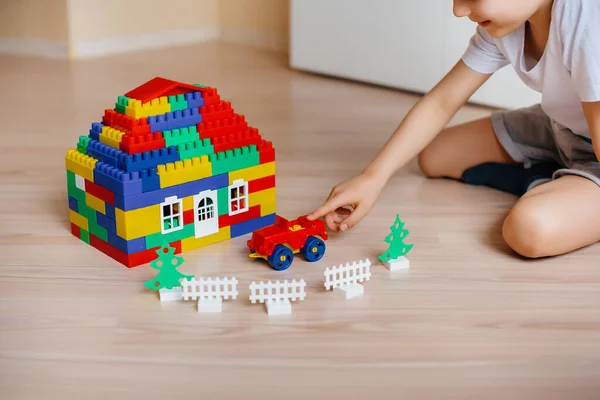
(396, 241)
(166, 264)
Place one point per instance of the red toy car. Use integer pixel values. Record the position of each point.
(279, 242)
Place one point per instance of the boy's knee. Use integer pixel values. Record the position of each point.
(427, 162)
(528, 230)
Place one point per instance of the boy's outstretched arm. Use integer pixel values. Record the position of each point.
(420, 126)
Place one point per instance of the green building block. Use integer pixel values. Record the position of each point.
(181, 136)
(158, 239)
(84, 141)
(84, 235)
(232, 160)
(178, 102)
(196, 148)
(199, 85)
(97, 230)
(73, 190)
(223, 200)
(122, 103)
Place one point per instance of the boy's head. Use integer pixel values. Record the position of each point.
(499, 17)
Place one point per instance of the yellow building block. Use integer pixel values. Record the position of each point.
(95, 203)
(188, 203)
(111, 137)
(264, 198)
(189, 170)
(137, 223)
(80, 164)
(252, 173)
(193, 243)
(78, 220)
(136, 109)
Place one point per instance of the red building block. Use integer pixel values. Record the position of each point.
(228, 220)
(215, 112)
(133, 144)
(210, 95)
(234, 140)
(208, 130)
(266, 151)
(257, 185)
(188, 217)
(159, 87)
(126, 124)
(129, 260)
(100, 192)
(76, 231)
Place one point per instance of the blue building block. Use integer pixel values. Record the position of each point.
(127, 203)
(104, 221)
(110, 211)
(117, 181)
(104, 153)
(96, 131)
(194, 99)
(73, 204)
(175, 120)
(211, 183)
(150, 180)
(127, 246)
(147, 159)
(246, 227)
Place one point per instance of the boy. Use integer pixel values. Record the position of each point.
(547, 153)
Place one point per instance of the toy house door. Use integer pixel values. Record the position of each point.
(206, 213)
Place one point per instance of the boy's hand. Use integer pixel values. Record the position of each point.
(358, 193)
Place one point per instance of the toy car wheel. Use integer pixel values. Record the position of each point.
(281, 258)
(314, 249)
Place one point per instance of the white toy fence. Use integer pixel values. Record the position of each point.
(347, 274)
(209, 288)
(277, 291)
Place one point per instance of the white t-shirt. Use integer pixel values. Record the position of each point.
(569, 70)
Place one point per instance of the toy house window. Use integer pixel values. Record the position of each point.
(238, 197)
(171, 215)
(206, 209)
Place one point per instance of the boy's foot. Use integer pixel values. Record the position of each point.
(510, 178)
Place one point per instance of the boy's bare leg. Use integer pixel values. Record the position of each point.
(461, 147)
(555, 218)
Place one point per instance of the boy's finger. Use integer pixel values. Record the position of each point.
(331, 223)
(329, 206)
(358, 213)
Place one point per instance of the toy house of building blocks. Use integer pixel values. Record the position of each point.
(171, 163)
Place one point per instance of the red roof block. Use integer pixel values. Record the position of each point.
(159, 87)
(132, 144)
(216, 112)
(235, 140)
(126, 124)
(226, 126)
(266, 151)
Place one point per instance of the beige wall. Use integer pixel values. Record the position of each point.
(115, 18)
(34, 19)
(97, 25)
(266, 16)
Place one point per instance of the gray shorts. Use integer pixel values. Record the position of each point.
(528, 135)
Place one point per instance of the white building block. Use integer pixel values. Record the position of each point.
(397, 264)
(210, 306)
(279, 307)
(174, 294)
(350, 291)
(80, 182)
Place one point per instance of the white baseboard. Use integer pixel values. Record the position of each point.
(254, 38)
(147, 41)
(56, 49)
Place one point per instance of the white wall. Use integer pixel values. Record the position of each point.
(408, 44)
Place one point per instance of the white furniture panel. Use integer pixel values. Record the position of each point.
(407, 44)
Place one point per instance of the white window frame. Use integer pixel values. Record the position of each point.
(237, 184)
(171, 202)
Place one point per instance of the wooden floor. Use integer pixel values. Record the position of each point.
(469, 320)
